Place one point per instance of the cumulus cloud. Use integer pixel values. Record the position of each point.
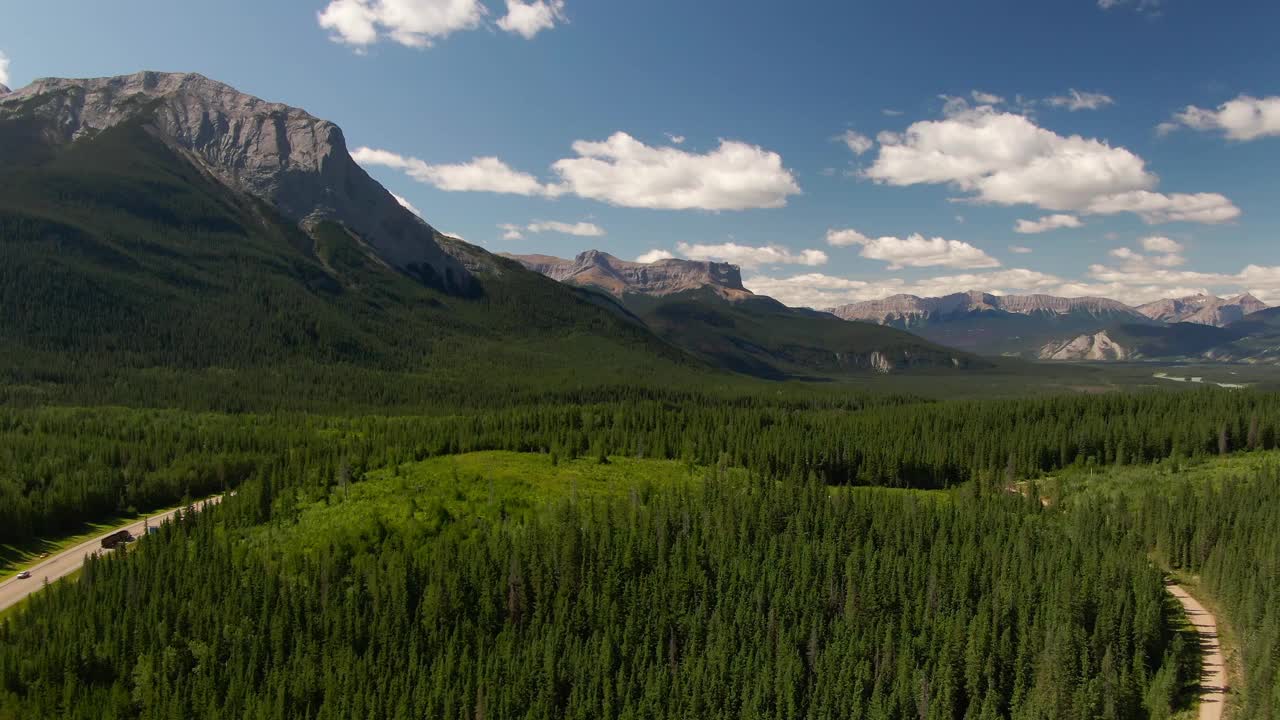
(527, 19)
(511, 231)
(412, 23)
(626, 172)
(407, 205)
(580, 229)
(1149, 7)
(1075, 100)
(818, 290)
(482, 174)
(1245, 118)
(1004, 158)
(855, 141)
(986, 98)
(1156, 208)
(1161, 244)
(675, 139)
(1020, 249)
(654, 256)
(749, 256)
(1047, 223)
(914, 250)
(622, 171)
(4, 69)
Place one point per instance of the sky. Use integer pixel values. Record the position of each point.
(836, 151)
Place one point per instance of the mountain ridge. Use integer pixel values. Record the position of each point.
(285, 156)
(594, 268)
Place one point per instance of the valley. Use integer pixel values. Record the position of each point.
(447, 482)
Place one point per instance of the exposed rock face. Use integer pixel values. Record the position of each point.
(4, 89)
(618, 277)
(1098, 346)
(297, 163)
(910, 310)
(1203, 309)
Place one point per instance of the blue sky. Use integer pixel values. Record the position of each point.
(838, 151)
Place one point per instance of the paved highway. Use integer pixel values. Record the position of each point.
(14, 590)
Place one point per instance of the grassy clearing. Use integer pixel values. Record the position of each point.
(1128, 480)
(423, 499)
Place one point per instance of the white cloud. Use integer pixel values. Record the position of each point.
(1047, 223)
(1149, 7)
(1155, 208)
(675, 139)
(482, 174)
(1020, 249)
(914, 250)
(654, 256)
(855, 141)
(1161, 244)
(580, 229)
(890, 112)
(818, 290)
(624, 171)
(1005, 159)
(1124, 253)
(4, 69)
(1075, 100)
(527, 19)
(1245, 118)
(749, 257)
(407, 205)
(986, 98)
(413, 23)
(511, 232)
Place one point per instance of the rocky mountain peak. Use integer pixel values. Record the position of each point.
(285, 156)
(1203, 309)
(4, 89)
(599, 269)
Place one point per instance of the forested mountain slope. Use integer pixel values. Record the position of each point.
(157, 241)
(704, 309)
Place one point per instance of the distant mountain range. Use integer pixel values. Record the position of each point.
(703, 308)
(1056, 328)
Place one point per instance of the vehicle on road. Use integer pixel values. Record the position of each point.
(24, 575)
(117, 538)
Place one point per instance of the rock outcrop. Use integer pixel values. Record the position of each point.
(297, 163)
(620, 277)
(1098, 346)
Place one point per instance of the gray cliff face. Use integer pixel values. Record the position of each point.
(4, 90)
(294, 161)
(664, 277)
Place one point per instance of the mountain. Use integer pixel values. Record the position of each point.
(160, 221)
(704, 309)
(619, 277)
(1142, 342)
(293, 161)
(1259, 340)
(1203, 309)
(993, 324)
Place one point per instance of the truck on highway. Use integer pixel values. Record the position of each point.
(117, 538)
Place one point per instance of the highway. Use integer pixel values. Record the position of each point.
(54, 567)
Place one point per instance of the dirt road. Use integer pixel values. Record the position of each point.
(1213, 673)
(14, 590)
